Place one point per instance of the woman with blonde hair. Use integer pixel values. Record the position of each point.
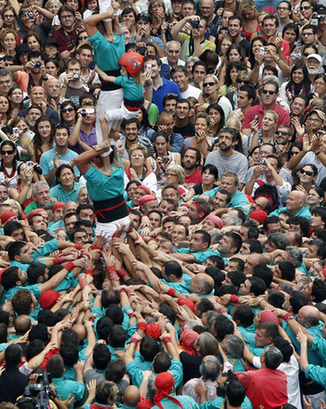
(212, 94)
(9, 15)
(249, 13)
(9, 42)
(267, 131)
(138, 169)
(175, 175)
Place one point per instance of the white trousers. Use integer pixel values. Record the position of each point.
(110, 228)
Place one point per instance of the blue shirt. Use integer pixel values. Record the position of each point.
(166, 87)
(46, 162)
(239, 199)
(201, 256)
(102, 187)
(62, 195)
(304, 212)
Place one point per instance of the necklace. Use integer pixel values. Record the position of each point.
(9, 176)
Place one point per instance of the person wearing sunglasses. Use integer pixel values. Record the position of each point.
(269, 93)
(68, 113)
(313, 153)
(8, 164)
(307, 178)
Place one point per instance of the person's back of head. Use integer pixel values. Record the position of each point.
(69, 353)
(115, 370)
(39, 331)
(235, 393)
(55, 366)
(149, 348)
(106, 393)
(101, 356)
(223, 326)
(162, 362)
(118, 336)
(273, 357)
(131, 396)
(103, 328)
(115, 313)
(13, 356)
(34, 348)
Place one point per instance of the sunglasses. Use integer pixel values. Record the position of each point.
(246, 82)
(83, 38)
(64, 110)
(305, 54)
(281, 133)
(265, 91)
(305, 8)
(7, 152)
(307, 172)
(210, 84)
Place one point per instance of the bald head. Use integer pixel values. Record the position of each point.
(295, 201)
(22, 324)
(131, 396)
(81, 331)
(69, 207)
(308, 316)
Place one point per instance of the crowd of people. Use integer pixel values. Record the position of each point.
(162, 204)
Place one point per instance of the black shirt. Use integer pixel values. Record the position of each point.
(187, 131)
(12, 384)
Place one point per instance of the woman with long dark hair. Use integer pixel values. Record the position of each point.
(291, 34)
(299, 83)
(9, 164)
(68, 113)
(209, 177)
(66, 189)
(43, 139)
(257, 44)
(217, 119)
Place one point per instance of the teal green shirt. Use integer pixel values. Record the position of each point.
(106, 54)
(304, 212)
(59, 193)
(200, 256)
(64, 387)
(131, 90)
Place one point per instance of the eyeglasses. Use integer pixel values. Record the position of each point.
(281, 133)
(137, 155)
(265, 91)
(208, 84)
(307, 172)
(7, 152)
(67, 17)
(64, 110)
(246, 82)
(314, 120)
(305, 8)
(283, 8)
(170, 174)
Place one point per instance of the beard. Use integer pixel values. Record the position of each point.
(313, 70)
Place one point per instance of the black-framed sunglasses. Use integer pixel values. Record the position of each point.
(305, 8)
(307, 172)
(7, 152)
(265, 91)
(210, 84)
(246, 82)
(281, 133)
(64, 110)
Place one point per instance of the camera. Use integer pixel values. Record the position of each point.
(297, 56)
(256, 117)
(38, 169)
(170, 26)
(75, 76)
(39, 392)
(195, 24)
(30, 15)
(37, 65)
(15, 132)
(262, 50)
(29, 164)
(84, 111)
(149, 67)
(165, 159)
(262, 162)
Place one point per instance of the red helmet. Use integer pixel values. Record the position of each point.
(133, 62)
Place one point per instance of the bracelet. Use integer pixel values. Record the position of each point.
(166, 339)
(69, 266)
(288, 316)
(95, 247)
(113, 273)
(99, 292)
(317, 153)
(78, 246)
(28, 185)
(122, 272)
(89, 272)
(141, 325)
(234, 298)
(59, 260)
(122, 290)
(303, 18)
(134, 340)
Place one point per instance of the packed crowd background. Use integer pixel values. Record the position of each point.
(162, 192)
